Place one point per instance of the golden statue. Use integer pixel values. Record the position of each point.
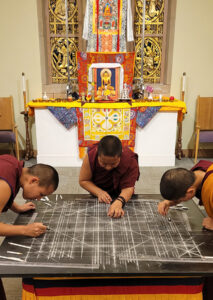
(60, 8)
(63, 55)
(148, 56)
(106, 77)
(152, 9)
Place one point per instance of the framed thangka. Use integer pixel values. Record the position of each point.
(110, 70)
(107, 79)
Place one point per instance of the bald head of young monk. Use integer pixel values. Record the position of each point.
(109, 152)
(178, 185)
(38, 181)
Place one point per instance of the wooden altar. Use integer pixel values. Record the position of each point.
(155, 143)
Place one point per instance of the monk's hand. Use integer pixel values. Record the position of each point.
(208, 223)
(26, 206)
(115, 210)
(35, 229)
(163, 207)
(104, 197)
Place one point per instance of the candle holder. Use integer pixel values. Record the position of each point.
(178, 151)
(29, 152)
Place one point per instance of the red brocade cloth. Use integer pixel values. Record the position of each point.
(84, 60)
(120, 288)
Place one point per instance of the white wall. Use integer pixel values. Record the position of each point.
(192, 53)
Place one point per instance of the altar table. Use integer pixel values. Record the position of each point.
(154, 144)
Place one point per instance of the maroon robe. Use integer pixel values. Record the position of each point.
(10, 171)
(202, 165)
(123, 176)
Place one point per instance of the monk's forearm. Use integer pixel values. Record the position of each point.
(32, 229)
(15, 207)
(90, 187)
(127, 193)
(124, 196)
(11, 230)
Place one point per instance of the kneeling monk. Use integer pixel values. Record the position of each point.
(109, 172)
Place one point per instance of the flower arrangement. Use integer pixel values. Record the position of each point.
(149, 89)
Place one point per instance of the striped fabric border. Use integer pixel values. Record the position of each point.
(120, 286)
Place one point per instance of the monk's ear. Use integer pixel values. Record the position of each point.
(190, 192)
(33, 179)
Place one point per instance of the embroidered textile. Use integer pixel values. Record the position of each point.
(152, 288)
(106, 23)
(86, 60)
(145, 114)
(66, 116)
(93, 124)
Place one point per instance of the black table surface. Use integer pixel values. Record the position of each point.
(83, 241)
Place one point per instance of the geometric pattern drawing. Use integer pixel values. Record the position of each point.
(81, 236)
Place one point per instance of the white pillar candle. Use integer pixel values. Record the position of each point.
(184, 82)
(23, 83)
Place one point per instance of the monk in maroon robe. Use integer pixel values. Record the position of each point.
(36, 181)
(178, 185)
(109, 172)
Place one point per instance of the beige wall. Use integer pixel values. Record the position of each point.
(192, 53)
(19, 52)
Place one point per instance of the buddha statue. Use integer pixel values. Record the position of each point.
(106, 89)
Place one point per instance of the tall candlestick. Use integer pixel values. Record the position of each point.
(184, 82)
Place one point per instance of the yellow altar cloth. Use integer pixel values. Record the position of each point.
(176, 105)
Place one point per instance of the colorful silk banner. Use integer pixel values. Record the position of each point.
(107, 24)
